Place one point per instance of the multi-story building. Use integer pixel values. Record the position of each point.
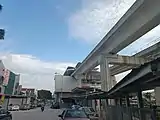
(68, 87)
(19, 90)
(69, 71)
(64, 86)
(9, 81)
(28, 92)
(10, 84)
(2, 73)
(91, 79)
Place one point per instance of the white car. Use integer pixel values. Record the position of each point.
(15, 107)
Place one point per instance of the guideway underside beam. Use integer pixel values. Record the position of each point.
(106, 60)
(125, 60)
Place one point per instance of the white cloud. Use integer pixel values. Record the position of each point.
(34, 72)
(147, 40)
(96, 18)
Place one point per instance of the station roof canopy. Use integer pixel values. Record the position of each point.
(13, 96)
(146, 77)
(84, 89)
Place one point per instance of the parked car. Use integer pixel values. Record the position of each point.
(15, 108)
(32, 106)
(90, 112)
(75, 106)
(10, 107)
(25, 107)
(5, 115)
(39, 105)
(73, 114)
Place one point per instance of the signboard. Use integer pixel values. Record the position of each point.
(6, 77)
(1, 75)
(2, 99)
(2, 70)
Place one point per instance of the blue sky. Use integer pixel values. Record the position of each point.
(40, 28)
(45, 36)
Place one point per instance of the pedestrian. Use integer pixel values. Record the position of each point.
(42, 107)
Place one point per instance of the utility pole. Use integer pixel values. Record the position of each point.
(62, 89)
(2, 31)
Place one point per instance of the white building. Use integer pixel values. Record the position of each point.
(2, 72)
(64, 86)
(16, 85)
(67, 86)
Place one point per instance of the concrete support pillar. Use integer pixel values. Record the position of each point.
(140, 104)
(105, 80)
(140, 99)
(107, 102)
(8, 102)
(127, 101)
(100, 104)
(120, 101)
(128, 105)
(95, 102)
(116, 101)
(105, 73)
(58, 97)
(157, 95)
(22, 101)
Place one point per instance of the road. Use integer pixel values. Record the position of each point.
(36, 114)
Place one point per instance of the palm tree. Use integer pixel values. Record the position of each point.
(148, 98)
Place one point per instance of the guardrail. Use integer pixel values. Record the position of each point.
(130, 113)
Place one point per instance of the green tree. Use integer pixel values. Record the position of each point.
(148, 99)
(148, 96)
(44, 94)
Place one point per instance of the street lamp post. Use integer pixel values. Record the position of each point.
(62, 89)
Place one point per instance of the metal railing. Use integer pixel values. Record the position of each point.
(131, 113)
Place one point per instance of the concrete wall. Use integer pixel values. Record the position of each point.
(17, 101)
(10, 85)
(2, 89)
(157, 95)
(64, 83)
(4, 105)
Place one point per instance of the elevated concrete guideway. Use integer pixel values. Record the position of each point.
(150, 53)
(143, 16)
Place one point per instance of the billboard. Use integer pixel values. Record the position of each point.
(1, 75)
(6, 77)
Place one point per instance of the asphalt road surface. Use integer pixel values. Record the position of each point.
(36, 114)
